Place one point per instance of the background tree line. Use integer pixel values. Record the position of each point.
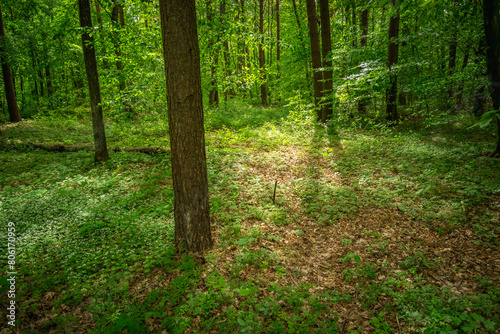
(363, 60)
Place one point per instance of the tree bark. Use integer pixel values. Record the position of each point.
(315, 54)
(185, 121)
(8, 81)
(392, 59)
(262, 60)
(326, 48)
(101, 150)
(492, 32)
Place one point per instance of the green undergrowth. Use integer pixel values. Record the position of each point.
(99, 238)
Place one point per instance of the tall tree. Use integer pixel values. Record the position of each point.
(492, 31)
(363, 42)
(392, 59)
(213, 94)
(117, 14)
(185, 122)
(8, 81)
(326, 48)
(315, 54)
(101, 150)
(262, 60)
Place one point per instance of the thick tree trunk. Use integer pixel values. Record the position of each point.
(101, 150)
(185, 121)
(315, 54)
(8, 81)
(392, 59)
(326, 48)
(492, 31)
(262, 60)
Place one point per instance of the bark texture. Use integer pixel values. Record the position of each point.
(101, 150)
(392, 59)
(492, 31)
(8, 81)
(326, 49)
(315, 54)
(185, 121)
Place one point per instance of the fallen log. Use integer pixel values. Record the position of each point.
(76, 148)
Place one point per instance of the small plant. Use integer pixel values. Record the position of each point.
(349, 256)
(380, 325)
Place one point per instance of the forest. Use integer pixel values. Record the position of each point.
(250, 166)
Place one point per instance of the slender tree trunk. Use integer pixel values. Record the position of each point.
(227, 60)
(262, 60)
(492, 31)
(8, 81)
(354, 24)
(392, 59)
(117, 9)
(315, 54)
(326, 48)
(185, 121)
(99, 22)
(278, 50)
(213, 95)
(362, 101)
(101, 150)
(48, 77)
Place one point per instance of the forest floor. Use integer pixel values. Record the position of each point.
(317, 229)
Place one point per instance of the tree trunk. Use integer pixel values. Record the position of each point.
(278, 41)
(117, 10)
(364, 28)
(48, 77)
(101, 150)
(492, 31)
(326, 48)
(362, 102)
(262, 60)
(8, 81)
(315, 54)
(213, 94)
(185, 121)
(392, 59)
(227, 60)
(354, 25)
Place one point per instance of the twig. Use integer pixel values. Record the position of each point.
(274, 193)
(343, 324)
(399, 326)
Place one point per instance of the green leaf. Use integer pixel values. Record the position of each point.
(244, 292)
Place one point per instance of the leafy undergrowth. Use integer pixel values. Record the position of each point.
(370, 231)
